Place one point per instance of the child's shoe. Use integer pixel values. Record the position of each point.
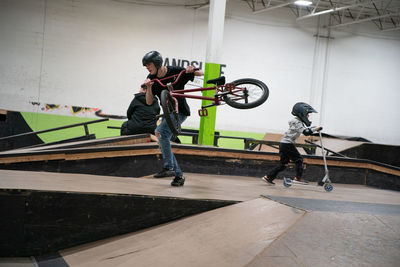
(268, 180)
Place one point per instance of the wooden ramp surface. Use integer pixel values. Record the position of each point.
(102, 142)
(230, 236)
(274, 231)
(199, 186)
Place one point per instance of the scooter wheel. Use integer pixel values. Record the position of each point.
(328, 187)
(286, 184)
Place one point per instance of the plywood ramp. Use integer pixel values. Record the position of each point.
(197, 186)
(102, 142)
(230, 236)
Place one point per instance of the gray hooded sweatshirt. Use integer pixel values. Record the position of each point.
(296, 128)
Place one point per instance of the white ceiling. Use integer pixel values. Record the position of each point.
(385, 14)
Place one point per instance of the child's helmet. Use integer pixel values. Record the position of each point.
(301, 111)
(153, 56)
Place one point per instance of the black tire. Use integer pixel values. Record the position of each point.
(255, 94)
(170, 114)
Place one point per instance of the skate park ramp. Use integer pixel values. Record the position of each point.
(103, 142)
(354, 225)
(334, 144)
(143, 158)
(230, 236)
(387, 154)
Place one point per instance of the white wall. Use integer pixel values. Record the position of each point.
(363, 88)
(88, 53)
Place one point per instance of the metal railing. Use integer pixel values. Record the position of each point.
(84, 124)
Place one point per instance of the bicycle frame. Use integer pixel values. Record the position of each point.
(181, 93)
(243, 93)
(217, 99)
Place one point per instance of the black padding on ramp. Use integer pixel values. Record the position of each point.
(53, 260)
(42, 222)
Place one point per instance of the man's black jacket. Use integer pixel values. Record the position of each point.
(141, 117)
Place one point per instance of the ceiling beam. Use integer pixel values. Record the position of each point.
(204, 6)
(327, 11)
(273, 7)
(392, 29)
(363, 20)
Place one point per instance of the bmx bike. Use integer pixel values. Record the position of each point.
(242, 94)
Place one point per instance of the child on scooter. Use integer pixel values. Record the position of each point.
(287, 150)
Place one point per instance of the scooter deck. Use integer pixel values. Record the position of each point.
(291, 181)
(287, 182)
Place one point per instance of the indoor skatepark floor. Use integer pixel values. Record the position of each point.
(353, 225)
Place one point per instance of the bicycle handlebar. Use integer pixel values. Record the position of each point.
(169, 77)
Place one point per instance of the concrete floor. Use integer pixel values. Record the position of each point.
(273, 226)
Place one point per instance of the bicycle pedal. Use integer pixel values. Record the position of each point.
(203, 112)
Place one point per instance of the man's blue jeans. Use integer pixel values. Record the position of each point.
(170, 162)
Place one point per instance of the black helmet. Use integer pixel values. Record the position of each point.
(153, 56)
(301, 110)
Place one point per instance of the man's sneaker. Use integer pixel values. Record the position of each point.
(164, 173)
(267, 179)
(301, 180)
(178, 181)
(320, 183)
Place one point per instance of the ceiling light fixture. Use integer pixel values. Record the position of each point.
(303, 2)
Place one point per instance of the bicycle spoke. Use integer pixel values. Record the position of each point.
(247, 93)
(246, 98)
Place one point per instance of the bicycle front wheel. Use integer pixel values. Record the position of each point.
(170, 113)
(248, 93)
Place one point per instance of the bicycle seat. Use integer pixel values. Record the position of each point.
(217, 81)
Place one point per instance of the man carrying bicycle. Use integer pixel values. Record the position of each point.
(153, 62)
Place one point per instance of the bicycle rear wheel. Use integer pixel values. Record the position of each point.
(170, 114)
(248, 93)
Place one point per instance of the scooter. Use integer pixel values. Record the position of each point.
(325, 182)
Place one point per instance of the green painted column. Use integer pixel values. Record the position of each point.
(207, 123)
(216, 19)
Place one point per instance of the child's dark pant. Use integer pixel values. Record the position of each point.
(287, 152)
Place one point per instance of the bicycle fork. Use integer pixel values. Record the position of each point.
(171, 89)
